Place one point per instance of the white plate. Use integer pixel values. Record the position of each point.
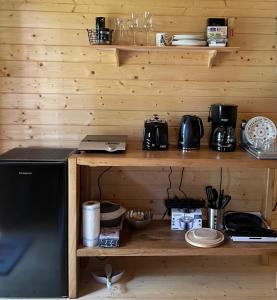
(188, 37)
(188, 43)
(260, 131)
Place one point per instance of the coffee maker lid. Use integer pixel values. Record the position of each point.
(225, 105)
(155, 119)
(223, 113)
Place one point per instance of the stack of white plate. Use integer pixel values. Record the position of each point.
(188, 40)
(204, 237)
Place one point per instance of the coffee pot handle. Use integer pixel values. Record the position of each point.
(201, 127)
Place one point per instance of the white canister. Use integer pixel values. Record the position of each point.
(91, 223)
(162, 39)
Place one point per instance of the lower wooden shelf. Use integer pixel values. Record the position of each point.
(159, 240)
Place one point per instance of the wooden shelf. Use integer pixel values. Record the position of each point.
(174, 157)
(159, 240)
(211, 51)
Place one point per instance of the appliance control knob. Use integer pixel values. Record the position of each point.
(111, 148)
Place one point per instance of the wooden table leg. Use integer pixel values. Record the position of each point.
(73, 225)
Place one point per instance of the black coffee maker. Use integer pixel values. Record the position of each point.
(223, 135)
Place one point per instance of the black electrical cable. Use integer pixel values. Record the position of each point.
(169, 179)
(163, 216)
(98, 182)
(181, 181)
(220, 184)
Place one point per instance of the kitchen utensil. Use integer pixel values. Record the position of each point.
(162, 39)
(215, 195)
(139, 218)
(204, 237)
(225, 201)
(155, 134)
(147, 25)
(223, 118)
(102, 277)
(215, 218)
(269, 152)
(134, 26)
(111, 214)
(209, 193)
(260, 131)
(220, 198)
(190, 132)
(212, 196)
(108, 272)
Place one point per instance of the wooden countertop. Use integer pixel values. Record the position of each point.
(135, 156)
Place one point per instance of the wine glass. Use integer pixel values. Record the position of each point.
(134, 26)
(148, 25)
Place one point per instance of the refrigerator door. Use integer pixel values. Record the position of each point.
(33, 229)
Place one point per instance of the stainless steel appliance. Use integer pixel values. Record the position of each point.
(190, 132)
(223, 135)
(33, 223)
(109, 143)
(155, 134)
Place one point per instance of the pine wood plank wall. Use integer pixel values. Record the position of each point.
(55, 89)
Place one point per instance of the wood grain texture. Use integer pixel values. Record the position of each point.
(139, 72)
(205, 157)
(184, 278)
(159, 240)
(73, 225)
(55, 88)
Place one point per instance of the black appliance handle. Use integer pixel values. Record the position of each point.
(157, 137)
(209, 117)
(201, 127)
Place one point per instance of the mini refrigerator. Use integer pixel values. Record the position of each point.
(33, 222)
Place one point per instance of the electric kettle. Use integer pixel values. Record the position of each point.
(190, 132)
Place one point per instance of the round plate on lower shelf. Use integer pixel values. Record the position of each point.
(204, 237)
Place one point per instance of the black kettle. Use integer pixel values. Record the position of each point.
(190, 132)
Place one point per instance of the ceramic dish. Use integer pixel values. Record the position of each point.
(188, 37)
(139, 218)
(188, 43)
(204, 237)
(260, 131)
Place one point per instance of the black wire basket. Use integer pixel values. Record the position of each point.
(92, 36)
(101, 37)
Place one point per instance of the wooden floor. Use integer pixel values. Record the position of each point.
(186, 278)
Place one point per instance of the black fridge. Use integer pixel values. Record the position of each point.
(33, 222)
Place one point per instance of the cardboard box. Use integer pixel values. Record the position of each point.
(184, 219)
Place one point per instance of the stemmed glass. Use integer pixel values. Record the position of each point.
(134, 26)
(148, 25)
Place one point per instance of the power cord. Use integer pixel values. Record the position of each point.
(98, 181)
(167, 190)
(181, 181)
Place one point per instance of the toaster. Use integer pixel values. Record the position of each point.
(155, 134)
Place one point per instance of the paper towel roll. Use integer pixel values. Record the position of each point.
(91, 223)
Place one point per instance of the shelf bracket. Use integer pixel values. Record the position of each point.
(211, 57)
(116, 56)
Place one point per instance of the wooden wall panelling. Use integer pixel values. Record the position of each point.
(55, 88)
(151, 186)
